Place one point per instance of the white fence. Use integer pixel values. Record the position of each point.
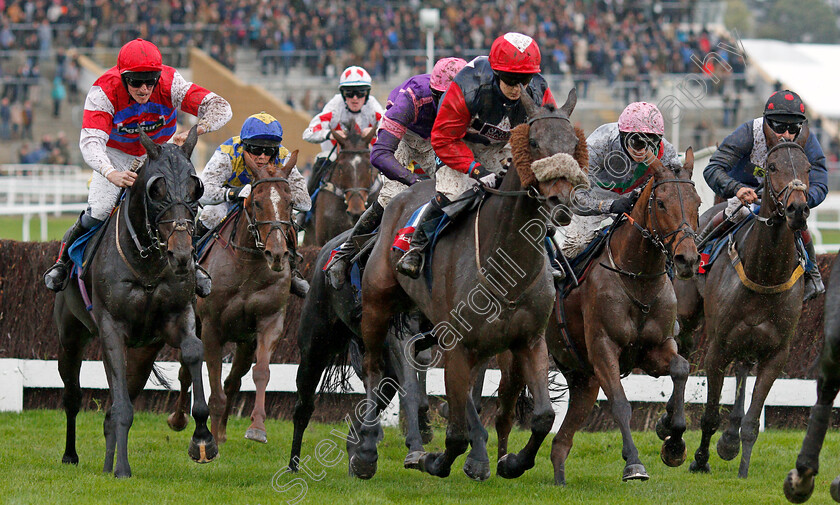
(18, 374)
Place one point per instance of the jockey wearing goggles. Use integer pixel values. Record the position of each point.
(227, 178)
(403, 151)
(139, 93)
(734, 170)
(473, 126)
(619, 163)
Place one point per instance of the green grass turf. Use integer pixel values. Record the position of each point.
(11, 227)
(247, 472)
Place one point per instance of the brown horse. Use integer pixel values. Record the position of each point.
(490, 292)
(621, 317)
(142, 286)
(799, 483)
(751, 303)
(249, 263)
(346, 188)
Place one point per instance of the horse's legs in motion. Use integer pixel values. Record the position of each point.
(477, 465)
(242, 359)
(767, 373)
(410, 403)
(510, 386)
(211, 339)
(120, 413)
(671, 426)
(729, 443)
(604, 355)
(202, 447)
(534, 365)
(715, 365)
(178, 419)
(268, 335)
(583, 391)
(69, 364)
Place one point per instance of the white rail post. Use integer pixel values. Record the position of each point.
(27, 218)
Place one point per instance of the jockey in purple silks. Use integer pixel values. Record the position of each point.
(403, 151)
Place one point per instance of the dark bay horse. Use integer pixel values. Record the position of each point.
(346, 188)
(249, 263)
(799, 483)
(490, 292)
(142, 286)
(622, 317)
(329, 331)
(751, 302)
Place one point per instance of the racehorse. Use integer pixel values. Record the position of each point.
(622, 317)
(475, 315)
(799, 483)
(751, 303)
(142, 283)
(249, 264)
(346, 187)
(329, 330)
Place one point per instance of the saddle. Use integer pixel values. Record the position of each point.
(205, 243)
(84, 248)
(711, 251)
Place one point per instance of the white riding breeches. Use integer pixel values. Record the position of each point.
(453, 183)
(103, 195)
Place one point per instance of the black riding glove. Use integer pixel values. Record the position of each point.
(484, 176)
(624, 204)
(241, 192)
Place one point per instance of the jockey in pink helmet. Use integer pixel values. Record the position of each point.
(619, 163)
(403, 152)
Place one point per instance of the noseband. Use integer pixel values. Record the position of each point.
(153, 224)
(780, 199)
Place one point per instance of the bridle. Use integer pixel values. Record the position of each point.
(347, 193)
(780, 199)
(253, 225)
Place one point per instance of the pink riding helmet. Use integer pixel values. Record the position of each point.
(444, 71)
(641, 117)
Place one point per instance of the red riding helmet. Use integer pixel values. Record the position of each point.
(515, 52)
(139, 56)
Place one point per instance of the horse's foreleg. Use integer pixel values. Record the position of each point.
(477, 465)
(120, 414)
(534, 366)
(510, 386)
(604, 355)
(715, 365)
(211, 340)
(268, 335)
(203, 448)
(178, 419)
(730, 440)
(410, 403)
(671, 426)
(242, 359)
(583, 391)
(767, 373)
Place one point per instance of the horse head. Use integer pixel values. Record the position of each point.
(668, 209)
(169, 191)
(354, 177)
(786, 178)
(269, 212)
(550, 155)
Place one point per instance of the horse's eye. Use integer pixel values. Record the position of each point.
(258, 204)
(771, 167)
(533, 143)
(660, 204)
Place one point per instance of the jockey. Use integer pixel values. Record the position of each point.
(473, 126)
(352, 104)
(140, 92)
(227, 179)
(619, 163)
(403, 151)
(731, 172)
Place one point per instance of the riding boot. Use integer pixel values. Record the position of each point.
(299, 287)
(337, 270)
(411, 263)
(57, 276)
(203, 282)
(813, 280)
(200, 231)
(709, 232)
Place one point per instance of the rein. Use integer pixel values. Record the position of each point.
(253, 226)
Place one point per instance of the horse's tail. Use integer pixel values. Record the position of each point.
(160, 379)
(337, 373)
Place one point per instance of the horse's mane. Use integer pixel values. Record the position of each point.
(522, 159)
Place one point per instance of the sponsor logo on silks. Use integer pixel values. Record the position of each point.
(704, 262)
(494, 132)
(146, 127)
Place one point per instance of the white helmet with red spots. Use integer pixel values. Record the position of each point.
(354, 77)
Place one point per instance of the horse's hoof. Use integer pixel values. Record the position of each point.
(662, 431)
(477, 470)
(835, 489)
(673, 452)
(203, 451)
(696, 467)
(427, 435)
(635, 472)
(177, 421)
(508, 467)
(256, 435)
(70, 459)
(415, 460)
(798, 488)
(362, 469)
(728, 447)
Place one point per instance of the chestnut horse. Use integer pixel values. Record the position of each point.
(249, 263)
(751, 302)
(490, 292)
(621, 317)
(142, 286)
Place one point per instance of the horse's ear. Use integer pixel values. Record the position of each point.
(770, 137)
(688, 164)
(290, 165)
(802, 138)
(152, 149)
(571, 101)
(339, 136)
(531, 108)
(370, 132)
(189, 144)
